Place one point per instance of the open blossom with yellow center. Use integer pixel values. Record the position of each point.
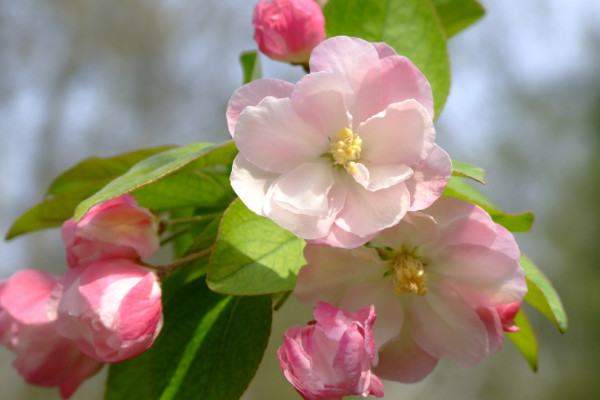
(336, 158)
(445, 282)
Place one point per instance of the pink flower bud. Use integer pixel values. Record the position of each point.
(288, 30)
(507, 314)
(111, 308)
(43, 357)
(332, 356)
(117, 228)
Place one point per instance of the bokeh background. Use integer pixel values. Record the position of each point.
(81, 78)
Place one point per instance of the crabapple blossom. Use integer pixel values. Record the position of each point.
(115, 228)
(288, 30)
(345, 152)
(44, 358)
(440, 281)
(332, 356)
(110, 308)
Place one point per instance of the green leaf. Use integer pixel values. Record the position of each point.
(251, 66)
(456, 15)
(411, 27)
(466, 170)
(525, 340)
(72, 187)
(542, 295)
(210, 345)
(129, 379)
(460, 188)
(253, 255)
(196, 188)
(178, 160)
(99, 171)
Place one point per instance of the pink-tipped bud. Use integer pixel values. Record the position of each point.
(288, 30)
(44, 357)
(117, 228)
(111, 309)
(332, 356)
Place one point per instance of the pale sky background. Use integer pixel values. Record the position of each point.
(83, 78)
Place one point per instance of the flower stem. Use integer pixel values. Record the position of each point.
(282, 300)
(164, 270)
(189, 220)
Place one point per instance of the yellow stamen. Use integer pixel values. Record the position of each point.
(409, 275)
(346, 149)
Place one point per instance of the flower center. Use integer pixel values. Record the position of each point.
(345, 149)
(409, 275)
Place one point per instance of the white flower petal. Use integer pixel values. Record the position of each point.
(250, 183)
(445, 326)
(330, 272)
(251, 94)
(367, 212)
(305, 189)
(377, 177)
(272, 136)
(402, 134)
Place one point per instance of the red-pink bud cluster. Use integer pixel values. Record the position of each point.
(106, 308)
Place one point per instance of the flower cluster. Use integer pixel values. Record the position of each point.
(346, 159)
(106, 308)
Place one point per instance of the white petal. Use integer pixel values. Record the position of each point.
(402, 360)
(330, 272)
(367, 212)
(272, 136)
(250, 183)
(483, 277)
(251, 94)
(305, 189)
(347, 56)
(376, 177)
(445, 326)
(402, 134)
(321, 98)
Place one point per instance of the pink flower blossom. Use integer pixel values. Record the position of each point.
(117, 228)
(332, 356)
(111, 309)
(438, 281)
(43, 357)
(345, 152)
(288, 30)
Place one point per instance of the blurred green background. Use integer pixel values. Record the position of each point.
(83, 78)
